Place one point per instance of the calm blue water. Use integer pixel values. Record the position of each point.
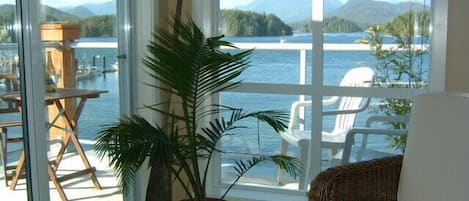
(267, 67)
(279, 66)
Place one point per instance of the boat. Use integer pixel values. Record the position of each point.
(86, 72)
(113, 68)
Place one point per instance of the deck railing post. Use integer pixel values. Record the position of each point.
(63, 59)
(302, 82)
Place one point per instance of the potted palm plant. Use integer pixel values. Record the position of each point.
(190, 68)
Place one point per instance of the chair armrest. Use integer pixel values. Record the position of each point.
(295, 109)
(363, 106)
(330, 101)
(387, 119)
(375, 180)
(367, 130)
(350, 138)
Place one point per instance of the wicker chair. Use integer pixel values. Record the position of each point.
(434, 166)
(374, 180)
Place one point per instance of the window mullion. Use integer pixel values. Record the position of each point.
(317, 86)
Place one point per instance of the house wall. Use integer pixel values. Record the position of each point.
(457, 52)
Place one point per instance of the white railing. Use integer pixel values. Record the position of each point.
(94, 45)
(302, 47)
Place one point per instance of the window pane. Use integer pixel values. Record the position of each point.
(88, 70)
(402, 62)
(253, 137)
(366, 145)
(281, 49)
(390, 37)
(11, 135)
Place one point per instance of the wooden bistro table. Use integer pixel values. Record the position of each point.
(55, 98)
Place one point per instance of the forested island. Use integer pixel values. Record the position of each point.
(247, 23)
(232, 23)
(331, 25)
(95, 26)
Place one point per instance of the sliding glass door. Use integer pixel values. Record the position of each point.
(11, 118)
(67, 48)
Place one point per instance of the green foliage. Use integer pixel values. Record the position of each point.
(190, 68)
(405, 25)
(339, 25)
(95, 26)
(247, 23)
(366, 13)
(402, 66)
(331, 25)
(7, 33)
(54, 15)
(99, 26)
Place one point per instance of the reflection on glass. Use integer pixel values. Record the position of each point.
(11, 135)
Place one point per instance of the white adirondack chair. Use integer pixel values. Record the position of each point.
(347, 109)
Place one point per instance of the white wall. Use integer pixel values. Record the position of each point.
(457, 53)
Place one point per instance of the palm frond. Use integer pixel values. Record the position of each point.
(277, 119)
(191, 65)
(128, 143)
(291, 165)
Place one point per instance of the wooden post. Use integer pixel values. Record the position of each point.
(63, 59)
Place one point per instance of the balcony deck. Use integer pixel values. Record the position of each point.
(80, 188)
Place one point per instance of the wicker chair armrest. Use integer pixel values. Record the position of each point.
(375, 180)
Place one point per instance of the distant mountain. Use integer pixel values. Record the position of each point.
(287, 10)
(105, 8)
(369, 12)
(53, 14)
(80, 11)
(56, 15)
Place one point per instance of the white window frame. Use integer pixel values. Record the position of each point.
(317, 90)
(32, 91)
(137, 25)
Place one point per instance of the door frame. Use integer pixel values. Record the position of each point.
(32, 91)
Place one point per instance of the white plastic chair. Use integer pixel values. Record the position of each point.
(352, 153)
(346, 112)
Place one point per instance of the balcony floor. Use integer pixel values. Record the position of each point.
(80, 188)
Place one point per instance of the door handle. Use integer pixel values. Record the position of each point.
(122, 56)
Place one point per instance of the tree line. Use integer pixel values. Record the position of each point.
(96, 26)
(232, 23)
(99, 26)
(247, 23)
(339, 25)
(331, 25)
